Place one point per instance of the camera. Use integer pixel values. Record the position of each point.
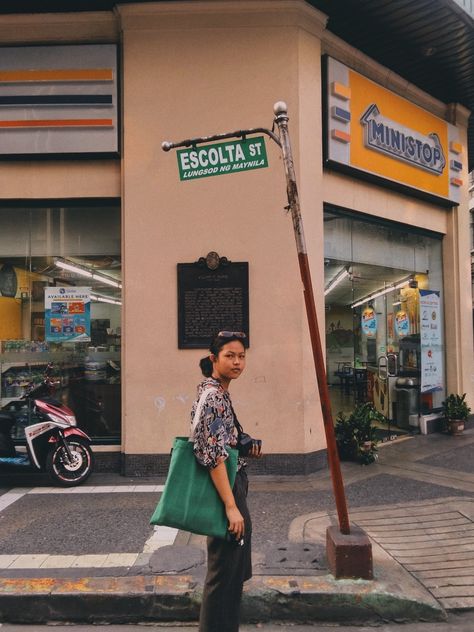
(246, 443)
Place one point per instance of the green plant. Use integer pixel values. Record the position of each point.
(455, 407)
(345, 437)
(356, 434)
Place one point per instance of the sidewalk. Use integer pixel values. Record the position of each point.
(88, 554)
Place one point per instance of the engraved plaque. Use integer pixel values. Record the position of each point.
(211, 300)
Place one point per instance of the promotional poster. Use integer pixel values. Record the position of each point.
(431, 343)
(67, 314)
(369, 322)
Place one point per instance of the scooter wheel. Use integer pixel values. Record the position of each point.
(68, 473)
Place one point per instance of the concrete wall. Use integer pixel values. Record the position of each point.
(457, 283)
(185, 74)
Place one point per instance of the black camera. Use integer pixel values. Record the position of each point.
(246, 443)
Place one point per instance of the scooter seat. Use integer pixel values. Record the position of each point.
(6, 419)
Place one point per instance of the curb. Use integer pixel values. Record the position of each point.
(164, 598)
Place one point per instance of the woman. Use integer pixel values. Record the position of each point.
(229, 561)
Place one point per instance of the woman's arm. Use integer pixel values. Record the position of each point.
(221, 483)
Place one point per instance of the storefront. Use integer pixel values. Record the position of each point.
(384, 317)
(384, 289)
(60, 303)
(88, 98)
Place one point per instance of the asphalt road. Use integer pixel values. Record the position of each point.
(68, 524)
(421, 468)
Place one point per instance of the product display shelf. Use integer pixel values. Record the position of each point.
(103, 356)
(19, 370)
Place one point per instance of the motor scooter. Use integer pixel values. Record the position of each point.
(53, 442)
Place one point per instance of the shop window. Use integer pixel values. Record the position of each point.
(53, 249)
(384, 316)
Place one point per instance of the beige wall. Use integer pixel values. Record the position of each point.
(57, 180)
(176, 87)
(310, 178)
(351, 193)
(457, 283)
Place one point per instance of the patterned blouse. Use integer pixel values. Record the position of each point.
(215, 428)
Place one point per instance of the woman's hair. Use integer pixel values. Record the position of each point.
(216, 346)
(206, 366)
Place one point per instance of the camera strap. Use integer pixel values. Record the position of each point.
(239, 428)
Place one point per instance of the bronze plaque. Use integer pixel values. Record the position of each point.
(211, 300)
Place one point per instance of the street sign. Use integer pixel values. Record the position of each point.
(221, 158)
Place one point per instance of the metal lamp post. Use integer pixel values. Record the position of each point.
(281, 120)
(349, 551)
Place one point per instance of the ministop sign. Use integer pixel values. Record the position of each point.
(215, 160)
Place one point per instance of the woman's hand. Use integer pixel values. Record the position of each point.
(221, 482)
(236, 521)
(256, 450)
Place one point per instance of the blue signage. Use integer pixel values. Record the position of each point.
(67, 314)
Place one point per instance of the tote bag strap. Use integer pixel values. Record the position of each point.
(197, 414)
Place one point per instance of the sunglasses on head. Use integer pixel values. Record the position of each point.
(231, 334)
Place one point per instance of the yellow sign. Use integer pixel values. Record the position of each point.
(375, 131)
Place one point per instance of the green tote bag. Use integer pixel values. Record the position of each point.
(189, 500)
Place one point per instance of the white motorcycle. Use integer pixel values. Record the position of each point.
(54, 443)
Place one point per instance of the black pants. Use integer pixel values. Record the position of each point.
(228, 566)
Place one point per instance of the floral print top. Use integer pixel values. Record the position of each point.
(215, 429)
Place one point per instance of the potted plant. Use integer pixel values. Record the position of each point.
(345, 437)
(355, 434)
(456, 411)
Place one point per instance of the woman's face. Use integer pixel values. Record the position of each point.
(230, 362)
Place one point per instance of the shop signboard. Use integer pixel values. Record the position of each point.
(220, 158)
(373, 132)
(431, 342)
(67, 314)
(59, 100)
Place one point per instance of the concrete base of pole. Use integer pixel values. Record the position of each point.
(349, 555)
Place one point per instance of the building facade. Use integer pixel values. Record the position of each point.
(85, 183)
(471, 213)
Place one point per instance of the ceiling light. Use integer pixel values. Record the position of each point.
(340, 276)
(106, 280)
(73, 268)
(386, 290)
(86, 272)
(99, 298)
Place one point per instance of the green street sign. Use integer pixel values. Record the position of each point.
(215, 160)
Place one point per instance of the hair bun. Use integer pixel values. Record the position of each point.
(206, 367)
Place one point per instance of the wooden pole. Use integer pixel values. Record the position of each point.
(281, 120)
